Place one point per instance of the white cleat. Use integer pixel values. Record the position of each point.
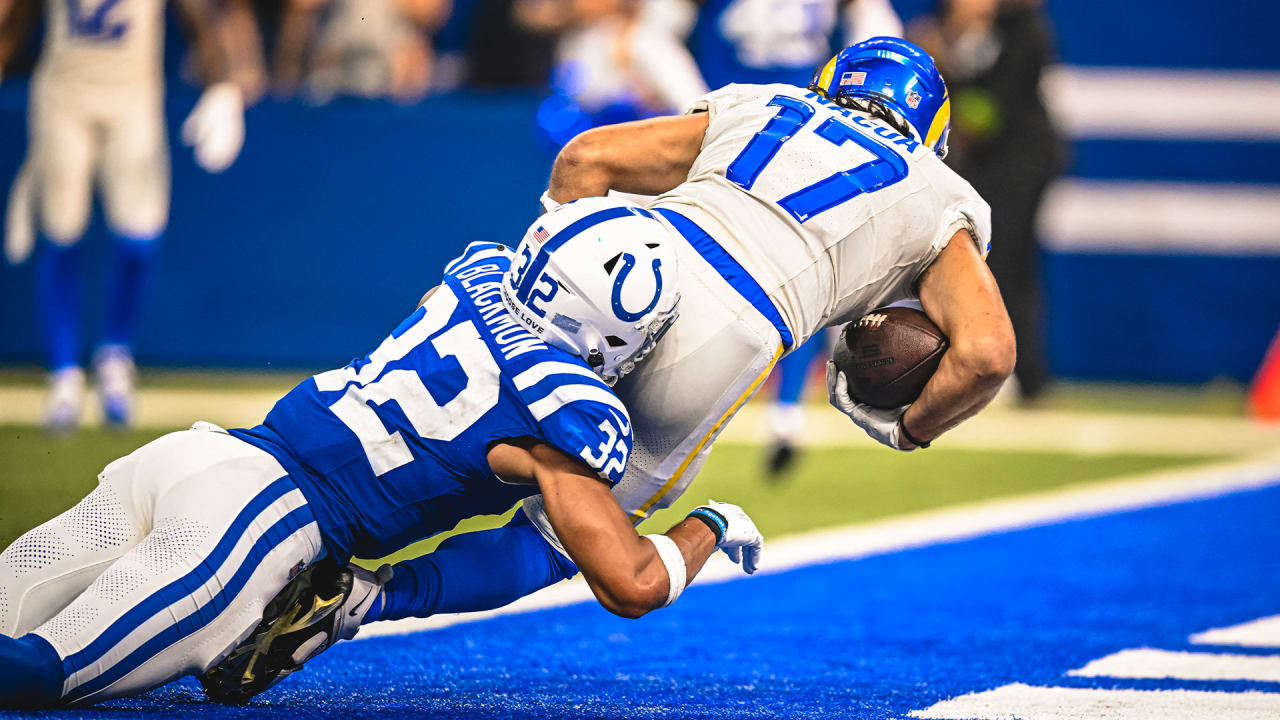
(66, 400)
(113, 365)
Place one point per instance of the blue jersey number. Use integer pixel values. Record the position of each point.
(883, 170)
(93, 24)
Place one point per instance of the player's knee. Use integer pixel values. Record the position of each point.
(30, 673)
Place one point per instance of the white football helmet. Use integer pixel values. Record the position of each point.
(596, 278)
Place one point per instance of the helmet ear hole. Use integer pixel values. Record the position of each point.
(611, 263)
(614, 341)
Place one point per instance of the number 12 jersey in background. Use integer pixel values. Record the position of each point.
(393, 447)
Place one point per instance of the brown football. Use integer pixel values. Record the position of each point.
(888, 355)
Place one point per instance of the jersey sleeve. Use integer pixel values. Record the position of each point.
(475, 252)
(972, 214)
(717, 101)
(578, 414)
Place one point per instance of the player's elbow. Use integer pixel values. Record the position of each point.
(584, 153)
(634, 597)
(988, 357)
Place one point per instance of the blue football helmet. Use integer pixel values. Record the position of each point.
(889, 76)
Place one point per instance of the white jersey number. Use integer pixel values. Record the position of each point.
(430, 420)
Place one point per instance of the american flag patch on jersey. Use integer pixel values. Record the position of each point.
(541, 235)
(853, 78)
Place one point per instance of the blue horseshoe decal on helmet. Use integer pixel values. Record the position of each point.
(629, 262)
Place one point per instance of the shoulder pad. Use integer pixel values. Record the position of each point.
(578, 414)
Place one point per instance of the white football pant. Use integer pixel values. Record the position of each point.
(164, 568)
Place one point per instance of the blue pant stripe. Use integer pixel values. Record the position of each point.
(733, 273)
(274, 536)
(184, 586)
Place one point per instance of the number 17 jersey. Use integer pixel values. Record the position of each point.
(394, 447)
(832, 212)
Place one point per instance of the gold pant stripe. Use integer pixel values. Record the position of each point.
(643, 512)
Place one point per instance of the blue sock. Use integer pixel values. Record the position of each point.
(133, 268)
(30, 672)
(58, 280)
(793, 370)
(474, 571)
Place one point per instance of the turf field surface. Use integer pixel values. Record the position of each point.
(992, 626)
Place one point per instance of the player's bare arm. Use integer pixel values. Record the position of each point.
(646, 157)
(960, 295)
(623, 569)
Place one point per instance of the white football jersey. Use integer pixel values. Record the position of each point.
(832, 212)
(103, 41)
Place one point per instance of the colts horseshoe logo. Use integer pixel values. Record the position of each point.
(629, 262)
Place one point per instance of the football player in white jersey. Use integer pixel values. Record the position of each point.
(802, 209)
(96, 119)
(796, 210)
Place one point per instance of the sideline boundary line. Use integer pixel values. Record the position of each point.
(933, 527)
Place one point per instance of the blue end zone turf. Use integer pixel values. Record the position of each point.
(874, 638)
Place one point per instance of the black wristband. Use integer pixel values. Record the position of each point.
(902, 426)
(703, 515)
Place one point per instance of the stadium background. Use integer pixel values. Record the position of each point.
(1162, 251)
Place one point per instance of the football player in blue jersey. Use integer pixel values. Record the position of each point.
(790, 210)
(496, 388)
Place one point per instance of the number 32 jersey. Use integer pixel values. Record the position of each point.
(832, 212)
(393, 447)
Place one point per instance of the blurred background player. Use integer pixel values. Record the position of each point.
(994, 54)
(96, 119)
(362, 48)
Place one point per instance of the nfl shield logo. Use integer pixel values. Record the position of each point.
(913, 99)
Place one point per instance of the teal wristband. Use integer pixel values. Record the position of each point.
(712, 519)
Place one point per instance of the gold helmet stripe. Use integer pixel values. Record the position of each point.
(824, 80)
(939, 123)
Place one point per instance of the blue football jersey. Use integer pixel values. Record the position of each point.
(392, 448)
(761, 42)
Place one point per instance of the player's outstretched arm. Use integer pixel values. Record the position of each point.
(629, 574)
(646, 157)
(960, 295)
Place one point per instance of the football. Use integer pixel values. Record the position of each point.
(888, 355)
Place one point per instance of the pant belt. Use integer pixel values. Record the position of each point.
(730, 270)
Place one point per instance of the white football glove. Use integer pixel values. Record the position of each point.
(215, 128)
(741, 541)
(881, 425)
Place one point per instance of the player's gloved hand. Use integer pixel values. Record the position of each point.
(215, 128)
(881, 425)
(322, 605)
(737, 536)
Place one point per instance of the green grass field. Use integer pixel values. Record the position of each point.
(831, 486)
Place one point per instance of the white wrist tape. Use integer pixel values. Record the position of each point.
(670, 555)
(547, 203)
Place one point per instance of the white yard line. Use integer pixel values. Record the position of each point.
(1153, 663)
(926, 528)
(1263, 632)
(1050, 703)
(997, 428)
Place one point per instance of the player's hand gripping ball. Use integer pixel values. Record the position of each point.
(879, 367)
(887, 356)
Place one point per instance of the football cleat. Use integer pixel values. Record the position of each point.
(316, 609)
(113, 365)
(66, 400)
